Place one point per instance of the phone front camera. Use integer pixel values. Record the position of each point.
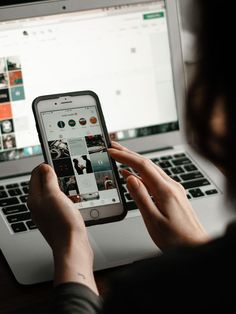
(55, 103)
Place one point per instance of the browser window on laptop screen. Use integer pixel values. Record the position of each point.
(122, 53)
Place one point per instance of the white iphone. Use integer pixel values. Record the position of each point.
(74, 141)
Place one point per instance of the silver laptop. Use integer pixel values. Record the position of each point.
(129, 53)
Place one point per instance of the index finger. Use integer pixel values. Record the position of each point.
(153, 177)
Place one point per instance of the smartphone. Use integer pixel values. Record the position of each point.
(74, 140)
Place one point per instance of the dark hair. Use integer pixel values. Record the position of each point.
(214, 83)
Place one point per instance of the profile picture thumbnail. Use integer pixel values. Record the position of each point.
(7, 126)
(82, 121)
(4, 95)
(3, 80)
(15, 78)
(9, 141)
(5, 111)
(95, 143)
(13, 63)
(59, 149)
(17, 93)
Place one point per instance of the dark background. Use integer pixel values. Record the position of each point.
(8, 2)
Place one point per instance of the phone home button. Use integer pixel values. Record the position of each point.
(94, 213)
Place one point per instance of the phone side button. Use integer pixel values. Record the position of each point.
(94, 213)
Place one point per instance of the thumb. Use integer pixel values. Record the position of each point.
(48, 179)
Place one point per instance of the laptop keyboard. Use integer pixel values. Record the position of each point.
(13, 198)
(180, 167)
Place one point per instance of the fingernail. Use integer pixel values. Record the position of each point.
(133, 183)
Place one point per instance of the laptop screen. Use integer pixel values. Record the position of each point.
(122, 53)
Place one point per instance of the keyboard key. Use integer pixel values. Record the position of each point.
(2, 187)
(129, 198)
(26, 190)
(176, 178)
(181, 155)
(31, 225)
(194, 184)
(155, 160)
(182, 161)
(211, 192)
(166, 158)
(26, 183)
(8, 201)
(24, 198)
(19, 217)
(167, 171)
(12, 186)
(19, 227)
(196, 193)
(191, 176)
(3, 194)
(190, 168)
(131, 205)
(177, 170)
(14, 209)
(164, 164)
(123, 189)
(15, 192)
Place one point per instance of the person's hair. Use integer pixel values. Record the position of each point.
(75, 161)
(84, 157)
(214, 83)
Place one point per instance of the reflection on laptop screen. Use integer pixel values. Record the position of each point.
(122, 53)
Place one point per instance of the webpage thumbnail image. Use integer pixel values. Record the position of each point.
(83, 167)
(11, 90)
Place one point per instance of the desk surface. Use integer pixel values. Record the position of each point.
(18, 299)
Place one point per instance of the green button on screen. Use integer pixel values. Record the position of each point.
(154, 15)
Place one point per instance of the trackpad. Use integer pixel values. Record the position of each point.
(124, 241)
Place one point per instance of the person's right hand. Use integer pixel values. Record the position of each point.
(62, 226)
(170, 219)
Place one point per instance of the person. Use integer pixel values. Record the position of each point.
(89, 168)
(195, 273)
(79, 168)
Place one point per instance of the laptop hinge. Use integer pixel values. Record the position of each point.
(15, 176)
(155, 150)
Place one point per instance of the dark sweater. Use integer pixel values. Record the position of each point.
(185, 280)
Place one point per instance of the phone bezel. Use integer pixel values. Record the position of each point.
(107, 213)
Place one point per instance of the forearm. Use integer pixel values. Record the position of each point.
(75, 264)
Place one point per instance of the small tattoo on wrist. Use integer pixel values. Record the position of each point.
(81, 275)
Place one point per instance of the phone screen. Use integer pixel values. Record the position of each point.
(78, 153)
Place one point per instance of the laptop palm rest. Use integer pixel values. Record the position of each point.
(122, 242)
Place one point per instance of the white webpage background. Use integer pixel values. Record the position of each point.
(123, 58)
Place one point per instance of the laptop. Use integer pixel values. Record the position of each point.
(129, 53)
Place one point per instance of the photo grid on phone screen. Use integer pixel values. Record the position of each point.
(11, 91)
(82, 166)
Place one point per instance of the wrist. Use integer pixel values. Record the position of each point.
(74, 263)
